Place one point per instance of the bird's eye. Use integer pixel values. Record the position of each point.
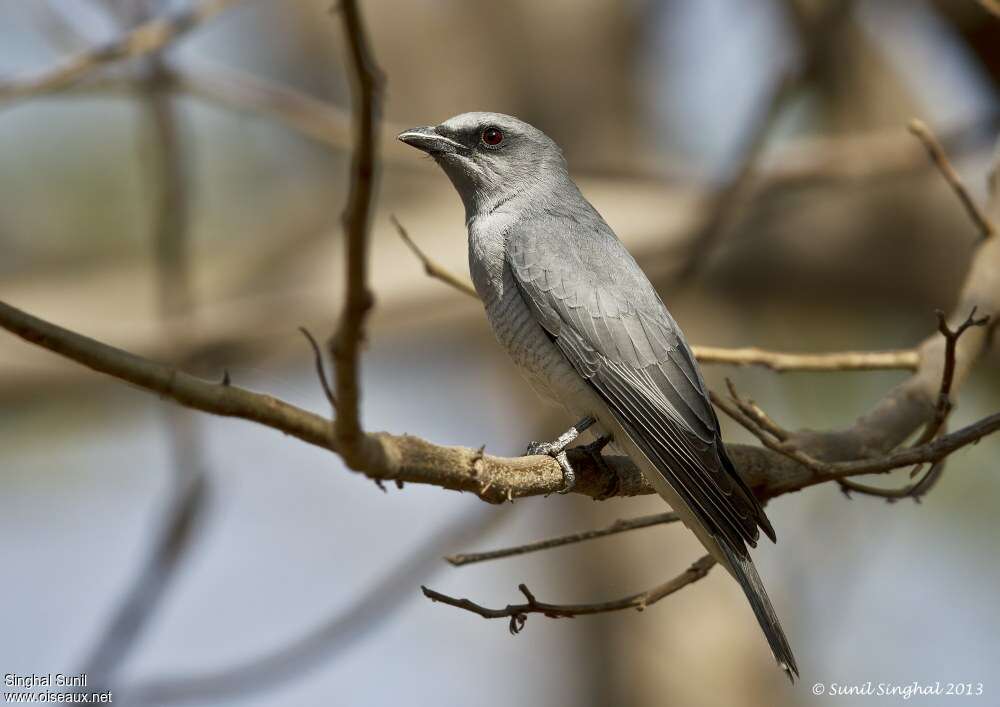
(492, 137)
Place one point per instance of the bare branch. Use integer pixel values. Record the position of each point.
(430, 267)
(908, 359)
(493, 479)
(923, 132)
(944, 404)
(518, 613)
(757, 414)
(778, 444)
(366, 84)
(148, 37)
(916, 490)
(619, 526)
(320, 368)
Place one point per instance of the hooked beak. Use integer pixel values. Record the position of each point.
(429, 140)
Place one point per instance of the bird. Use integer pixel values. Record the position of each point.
(588, 330)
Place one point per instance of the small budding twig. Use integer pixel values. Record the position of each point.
(619, 526)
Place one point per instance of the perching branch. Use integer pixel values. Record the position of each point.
(147, 37)
(366, 85)
(411, 459)
(518, 613)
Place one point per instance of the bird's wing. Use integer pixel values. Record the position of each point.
(602, 312)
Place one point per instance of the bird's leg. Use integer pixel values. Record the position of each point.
(557, 450)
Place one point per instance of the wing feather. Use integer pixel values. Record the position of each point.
(608, 321)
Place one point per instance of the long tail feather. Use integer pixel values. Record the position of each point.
(746, 574)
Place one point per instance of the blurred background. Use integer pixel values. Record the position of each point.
(186, 207)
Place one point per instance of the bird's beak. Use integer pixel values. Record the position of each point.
(430, 141)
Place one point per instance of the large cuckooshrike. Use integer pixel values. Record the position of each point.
(585, 326)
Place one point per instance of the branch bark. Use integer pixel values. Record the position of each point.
(355, 447)
(411, 459)
(518, 613)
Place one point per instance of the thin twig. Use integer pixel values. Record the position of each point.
(735, 410)
(951, 337)
(366, 84)
(320, 368)
(937, 154)
(916, 490)
(430, 267)
(518, 613)
(619, 526)
(147, 37)
(942, 409)
(757, 414)
(907, 359)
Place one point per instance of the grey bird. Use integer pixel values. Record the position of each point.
(588, 330)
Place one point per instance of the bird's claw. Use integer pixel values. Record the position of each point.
(557, 450)
(543, 448)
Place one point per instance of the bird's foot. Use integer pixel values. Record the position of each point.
(557, 450)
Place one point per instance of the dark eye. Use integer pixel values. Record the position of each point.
(492, 137)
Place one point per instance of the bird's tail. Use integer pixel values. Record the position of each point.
(742, 568)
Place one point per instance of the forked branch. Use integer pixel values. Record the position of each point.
(518, 613)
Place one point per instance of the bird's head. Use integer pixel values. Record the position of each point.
(489, 157)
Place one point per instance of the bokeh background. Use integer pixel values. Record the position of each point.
(296, 582)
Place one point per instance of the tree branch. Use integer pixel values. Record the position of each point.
(907, 359)
(147, 37)
(937, 154)
(366, 84)
(432, 269)
(411, 459)
(518, 613)
(619, 526)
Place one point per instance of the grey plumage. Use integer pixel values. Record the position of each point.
(582, 321)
